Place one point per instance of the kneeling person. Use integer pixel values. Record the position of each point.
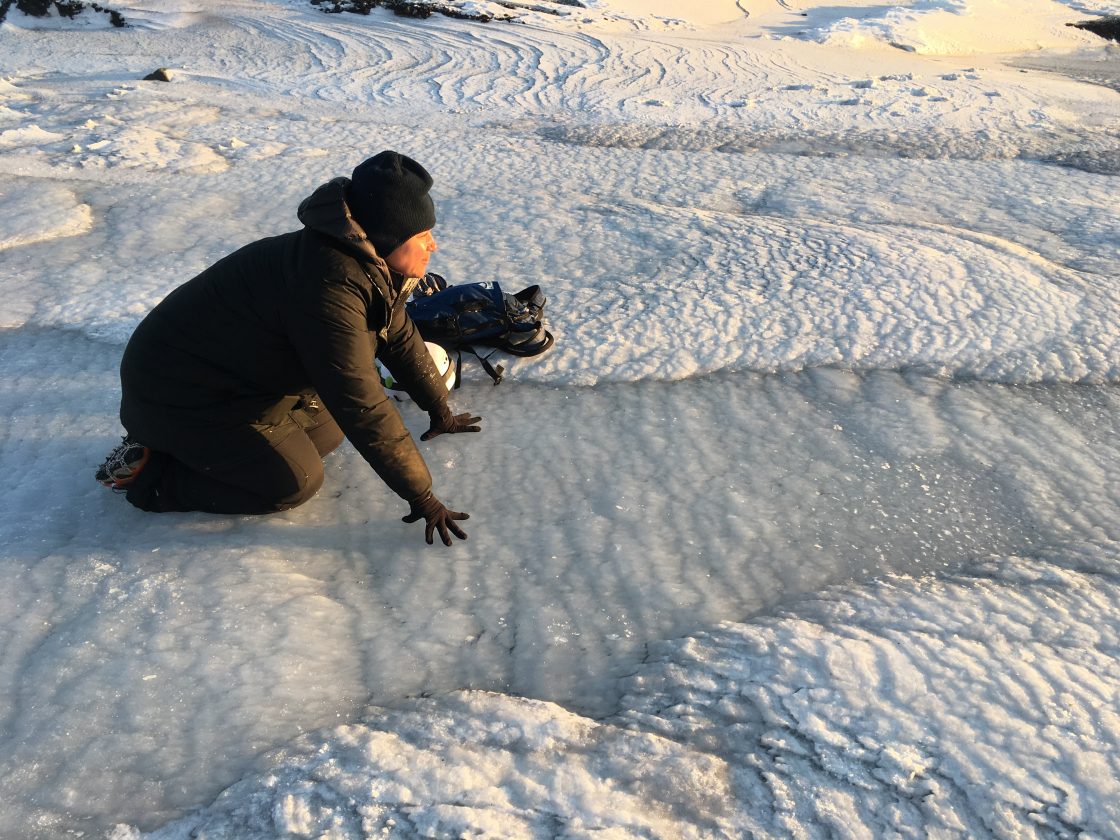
(238, 383)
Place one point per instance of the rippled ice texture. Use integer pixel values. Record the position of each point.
(832, 410)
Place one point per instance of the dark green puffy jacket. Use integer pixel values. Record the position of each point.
(240, 344)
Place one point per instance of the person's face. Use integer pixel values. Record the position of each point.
(410, 258)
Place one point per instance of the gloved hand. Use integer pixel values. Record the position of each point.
(430, 508)
(442, 420)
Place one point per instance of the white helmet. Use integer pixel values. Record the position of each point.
(443, 365)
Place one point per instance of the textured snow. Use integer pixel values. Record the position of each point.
(953, 27)
(37, 213)
(863, 712)
(806, 527)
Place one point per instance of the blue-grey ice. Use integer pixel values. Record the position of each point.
(809, 526)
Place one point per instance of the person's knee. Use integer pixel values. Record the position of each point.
(306, 487)
(327, 437)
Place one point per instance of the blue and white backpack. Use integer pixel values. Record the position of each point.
(463, 318)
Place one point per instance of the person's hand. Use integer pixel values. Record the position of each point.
(444, 422)
(438, 518)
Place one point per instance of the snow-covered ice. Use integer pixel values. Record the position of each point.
(807, 527)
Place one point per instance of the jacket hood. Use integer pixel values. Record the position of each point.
(327, 212)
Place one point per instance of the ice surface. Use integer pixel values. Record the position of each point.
(832, 409)
(171, 661)
(904, 707)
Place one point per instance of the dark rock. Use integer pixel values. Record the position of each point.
(35, 8)
(1107, 26)
(406, 8)
(65, 8)
(115, 17)
(160, 75)
(69, 8)
(402, 8)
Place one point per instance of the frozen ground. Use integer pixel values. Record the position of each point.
(807, 526)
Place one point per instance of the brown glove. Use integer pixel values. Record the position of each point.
(443, 421)
(430, 508)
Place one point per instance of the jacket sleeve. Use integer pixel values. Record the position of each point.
(406, 355)
(331, 335)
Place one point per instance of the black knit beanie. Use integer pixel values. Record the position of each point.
(389, 198)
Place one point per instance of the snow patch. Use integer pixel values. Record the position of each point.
(147, 148)
(37, 212)
(29, 135)
(949, 27)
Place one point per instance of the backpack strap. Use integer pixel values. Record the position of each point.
(495, 372)
(533, 349)
(458, 368)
